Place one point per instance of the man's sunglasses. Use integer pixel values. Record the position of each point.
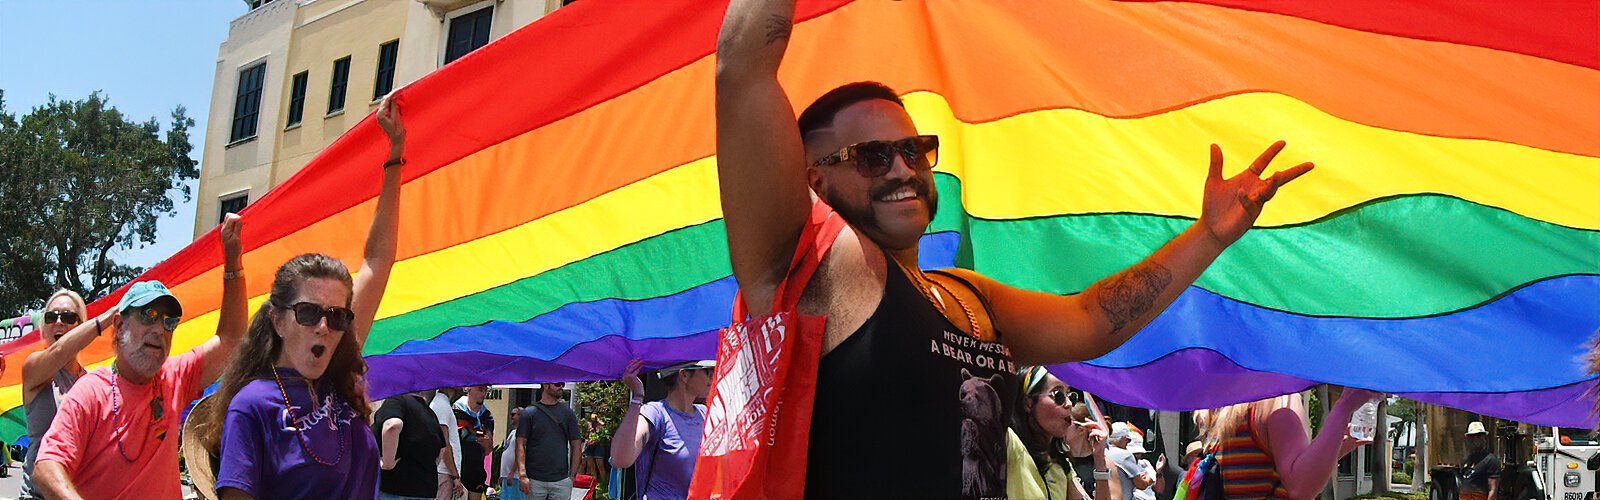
(309, 314)
(1061, 398)
(875, 158)
(68, 317)
(151, 316)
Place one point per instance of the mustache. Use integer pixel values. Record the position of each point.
(916, 184)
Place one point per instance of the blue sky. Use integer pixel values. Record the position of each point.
(146, 55)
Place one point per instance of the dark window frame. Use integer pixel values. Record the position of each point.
(297, 98)
(388, 58)
(247, 102)
(468, 32)
(339, 85)
(236, 201)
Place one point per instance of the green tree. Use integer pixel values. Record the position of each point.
(78, 179)
(1405, 410)
(607, 399)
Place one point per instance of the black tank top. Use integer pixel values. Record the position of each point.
(910, 407)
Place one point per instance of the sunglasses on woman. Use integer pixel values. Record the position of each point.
(309, 314)
(151, 316)
(1061, 397)
(875, 158)
(67, 317)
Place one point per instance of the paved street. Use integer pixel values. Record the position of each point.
(12, 483)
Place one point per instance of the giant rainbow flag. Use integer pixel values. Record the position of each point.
(560, 213)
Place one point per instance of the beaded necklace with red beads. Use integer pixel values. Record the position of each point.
(156, 410)
(300, 432)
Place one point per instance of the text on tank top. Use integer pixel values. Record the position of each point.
(909, 406)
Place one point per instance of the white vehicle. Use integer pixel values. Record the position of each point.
(1563, 462)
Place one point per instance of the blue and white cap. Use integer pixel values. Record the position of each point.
(145, 293)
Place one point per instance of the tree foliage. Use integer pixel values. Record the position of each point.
(608, 399)
(78, 179)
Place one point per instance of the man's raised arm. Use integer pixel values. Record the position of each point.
(1042, 328)
(760, 159)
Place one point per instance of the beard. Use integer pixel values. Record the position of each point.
(864, 217)
(133, 353)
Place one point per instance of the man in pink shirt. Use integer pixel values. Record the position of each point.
(116, 433)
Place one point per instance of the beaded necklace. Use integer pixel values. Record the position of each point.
(301, 433)
(930, 288)
(156, 412)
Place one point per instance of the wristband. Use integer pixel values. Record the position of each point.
(1102, 475)
(232, 275)
(394, 162)
(635, 400)
(97, 328)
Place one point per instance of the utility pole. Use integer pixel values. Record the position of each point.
(1379, 461)
(1326, 402)
(1424, 464)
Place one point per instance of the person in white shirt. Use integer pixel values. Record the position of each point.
(1133, 476)
(508, 488)
(450, 487)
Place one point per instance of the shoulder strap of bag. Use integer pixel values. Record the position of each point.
(547, 414)
(822, 228)
(982, 300)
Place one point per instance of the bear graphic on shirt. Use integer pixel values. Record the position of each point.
(982, 437)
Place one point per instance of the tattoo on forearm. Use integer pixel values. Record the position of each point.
(1131, 293)
(778, 28)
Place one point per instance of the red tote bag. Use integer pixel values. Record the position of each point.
(758, 415)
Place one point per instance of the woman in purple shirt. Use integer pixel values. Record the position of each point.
(295, 424)
(661, 439)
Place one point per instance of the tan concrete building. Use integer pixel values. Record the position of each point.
(294, 75)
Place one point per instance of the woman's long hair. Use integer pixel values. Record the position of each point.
(1594, 368)
(257, 356)
(1224, 422)
(1044, 449)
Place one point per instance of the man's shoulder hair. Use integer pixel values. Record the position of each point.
(819, 115)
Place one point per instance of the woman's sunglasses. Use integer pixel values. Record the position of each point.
(875, 158)
(309, 314)
(67, 317)
(1061, 397)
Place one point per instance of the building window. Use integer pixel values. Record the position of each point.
(341, 81)
(232, 204)
(387, 53)
(256, 4)
(247, 103)
(467, 33)
(297, 98)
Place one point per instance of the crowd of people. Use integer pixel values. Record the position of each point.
(891, 417)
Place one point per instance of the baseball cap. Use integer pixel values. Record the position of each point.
(144, 293)
(1136, 440)
(1118, 430)
(1476, 428)
(688, 365)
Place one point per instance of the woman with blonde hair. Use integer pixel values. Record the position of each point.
(47, 374)
(1264, 448)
